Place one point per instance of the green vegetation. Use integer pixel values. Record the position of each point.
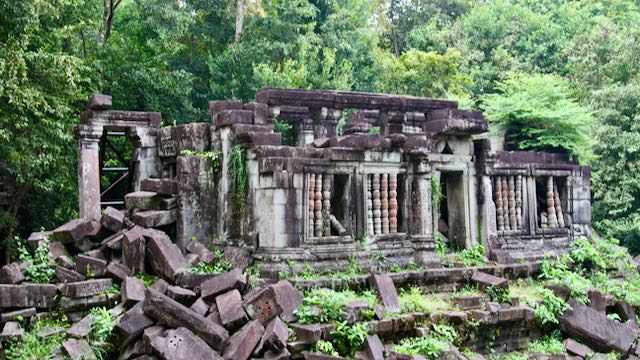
(219, 265)
(324, 305)
(439, 340)
(287, 131)
(472, 257)
(40, 269)
(413, 300)
(238, 169)
(550, 344)
(348, 338)
(32, 346)
(212, 156)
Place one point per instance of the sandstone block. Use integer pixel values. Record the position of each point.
(575, 348)
(280, 299)
(159, 186)
(182, 295)
(86, 288)
(133, 250)
(78, 349)
(112, 219)
(386, 290)
(166, 257)
(219, 284)
(200, 307)
(230, 308)
(82, 328)
(373, 348)
(12, 330)
(14, 315)
(155, 218)
(142, 200)
(40, 296)
(118, 271)
(73, 231)
(243, 342)
(485, 280)
(87, 265)
(196, 247)
(181, 344)
(132, 324)
(11, 274)
(132, 290)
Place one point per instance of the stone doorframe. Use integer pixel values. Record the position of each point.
(142, 129)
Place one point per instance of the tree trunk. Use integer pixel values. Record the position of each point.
(239, 19)
(13, 214)
(110, 7)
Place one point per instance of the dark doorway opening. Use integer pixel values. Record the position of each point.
(452, 209)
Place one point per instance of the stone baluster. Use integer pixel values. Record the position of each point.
(505, 202)
(552, 220)
(318, 206)
(512, 203)
(519, 202)
(326, 205)
(393, 203)
(370, 204)
(377, 225)
(498, 202)
(312, 195)
(384, 203)
(558, 203)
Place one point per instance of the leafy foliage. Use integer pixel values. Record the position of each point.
(428, 347)
(325, 305)
(550, 344)
(40, 269)
(550, 308)
(473, 256)
(348, 338)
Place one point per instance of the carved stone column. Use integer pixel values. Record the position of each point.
(377, 223)
(421, 229)
(384, 202)
(312, 196)
(558, 203)
(519, 202)
(318, 206)
(370, 205)
(512, 203)
(326, 205)
(498, 200)
(552, 220)
(393, 203)
(89, 170)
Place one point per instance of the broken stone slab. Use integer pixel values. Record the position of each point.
(86, 288)
(276, 335)
(100, 102)
(284, 354)
(181, 344)
(13, 315)
(12, 274)
(230, 308)
(82, 328)
(155, 218)
(279, 299)
(468, 302)
(214, 314)
(308, 355)
(76, 304)
(596, 329)
(12, 329)
(132, 290)
(373, 348)
(132, 324)
(182, 295)
(118, 271)
(192, 281)
(73, 231)
(242, 343)
(192, 259)
(149, 333)
(133, 250)
(449, 317)
(312, 333)
(160, 186)
(197, 248)
(90, 266)
(485, 280)
(57, 249)
(36, 238)
(238, 257)
(200, 306)
(626, 311)
(222, 283)
(160, 285)
(353, 311)
(598, 301)
(78, 349)
(174, 314)
(114, 241)
(383, 285)
(575, 348)
(41, 296)
(142, 200)
(112, 219)
(167, 259)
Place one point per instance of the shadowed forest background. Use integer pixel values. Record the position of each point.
(555, 74)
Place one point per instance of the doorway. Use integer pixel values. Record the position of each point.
(452, 221)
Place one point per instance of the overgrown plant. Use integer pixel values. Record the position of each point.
(551, 307)
(101, 330)
(238, 170)
(348, 338)
(473, 256)
(428, 346)
(212, 156)
(324, 305)
(40, 269)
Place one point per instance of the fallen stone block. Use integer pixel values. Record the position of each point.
(161, 286)
(353, 311)
(373, 348)
(86, 288)
(132, 324)
(242, 343)
(626, 311)
(90, 266)
(11, 274)
(219, 284)
(486, 281)
(12, 330)
(141, 200)
(132, 290)
(404, 324)
(311, 333)
(73, 231)
(468, 302)
(64, 275)
(112, 219)
(133, 250)
(596, 329)
(36, 238)
(57, 249)
(167, 259)
(13, 315)
(197, 248)
(149, 333)
(40, 296)
(160, 186)
(192, 281)
(182, 295)
(276, 335)
(66, 262)
(279, 299)
(192, 259)
(230, 308)
(386, 290)
(155, 218)
(449, 317)
(76, 304)
(114, 241)
(307, 355)
(82, 328)
(284, 354)
(238, 257)
(181, 344)
(118, 271)
(200, 306)
(78, 349)
(174, 314)
(214, 314)
(575, 348)
(597, 301)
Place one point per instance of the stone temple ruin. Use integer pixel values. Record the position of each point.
(323, 192)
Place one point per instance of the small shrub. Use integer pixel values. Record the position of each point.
(428, 347)
(473, 257)
(348, 338)
(414, 301)
(550, 308)
(40, 268)
(31, 346)
(445, 332)
(323, 305)
(325, 347)
(551, 344)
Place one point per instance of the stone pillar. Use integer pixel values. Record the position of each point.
(512, 203)
(89, 170)
(558, 203)
(377, 224)
(326, 205)
(498, 200)
(370, 204)
(384, 202)
(422, 218)
(145, 155)
(552, 220)
(318, 206)
(505, 202)
(312, 196)
(331, 122)
(393, 203)
(305, 131)
(519, 202)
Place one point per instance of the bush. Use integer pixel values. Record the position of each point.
(428, 347)
(348, 338)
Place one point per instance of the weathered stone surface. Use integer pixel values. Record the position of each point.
(64, 275)
(219, 284)
(66, 262)
(383, 285)
(181, 344)
(373, 348)
(149, 333)
(200, 306)
(192, 281)
(57, 249)
(132, 324)
(100, 102)
(87, 265)
(11, 330)
(280, 299)
(311, 333)
(86, 288)
(161, 286)
(214, 314)
(597, 301)
(133, 250)
(181, 295)
(243, 342)
(166, 257)
(13, 315)
(142, 200)
(469, 302)
(82, 328)
(284, 354)
(192, 259)
(307, 355)
(197, 248)
(575, 348)
(40, 296)
(114, 241)
(174, 314)
(155, 218)
(76, 304)
(160, 186)
(132, 290)
(230, 308)
(78, 349)
(352, 312)
(118, 271)
(626, 311)
(449, 317)
(37, 237)
(596, 329)
(276, 335)
(485, 280)
(112, 219)
(11, 274)
(73, 231)
(238, 257)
